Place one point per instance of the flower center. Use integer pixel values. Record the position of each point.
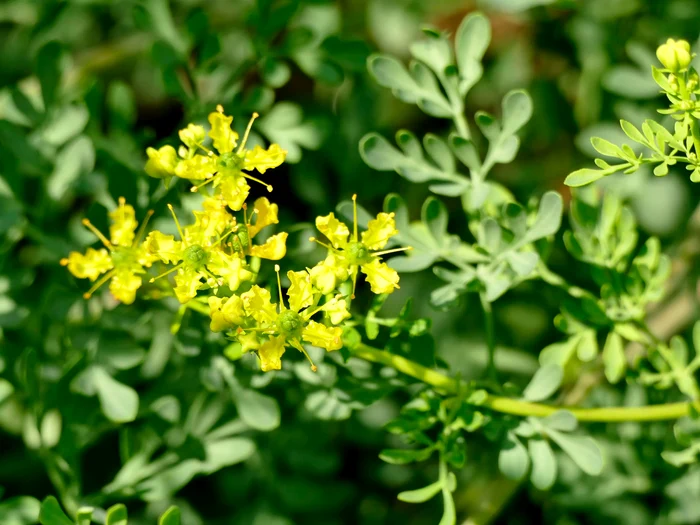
(357, 253)
(231, 161)
(195, 256)
(290, 323)
(123, 256)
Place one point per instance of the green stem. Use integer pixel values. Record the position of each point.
(554, 279)
(507, 405)
(491, 371)
(517, 407)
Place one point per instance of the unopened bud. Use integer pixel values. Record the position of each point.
(674, 55)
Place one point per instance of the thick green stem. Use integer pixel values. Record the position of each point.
(517, 407)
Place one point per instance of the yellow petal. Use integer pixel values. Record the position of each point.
(192, 135)
(124, 224)
(328, 274)
(199, 167)
(226, 313)
(336, 231)
(213, 220)
(274, 248)
(233, 189)
(379, 231)
(187, 281)
(124, 285)
(323, 336)
(264, 159)
(161, 162)
(231, 268)
(165, 247)
(223, 137)
(265, 214)
(381, 278)
(271, 353)
(88, 266)
(258, 305)
(336, 310)
(301, 292)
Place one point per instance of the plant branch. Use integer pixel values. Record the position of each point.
(518, 407)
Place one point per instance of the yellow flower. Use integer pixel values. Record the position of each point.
(199, 255)
(281, 326)
(353, 253)
(327, 274)
(226, 313)
(121, 262)
(258, 305)
(161, 162)
(265, 214)
(225, 166)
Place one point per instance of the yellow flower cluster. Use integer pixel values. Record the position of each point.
(214, 252)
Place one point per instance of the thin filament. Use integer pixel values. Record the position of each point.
(177, 223)
(354, 216)
(152, 279)
(247, 131)
(142, 229)
(98, 234)
(279, 287)
(106, 277)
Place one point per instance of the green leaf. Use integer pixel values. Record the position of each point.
(605, 147)
(434, 51)
(6, 390)
(20, 510)
(285, 125)
(119, 402)
(583, 450)
(614, 358)
(420, 495)
(513, 460)
(417, 87)
(544, 464)
(560, 420)
(116, 515)
(517, 110)
(48, 69)
(52, 514)
(76, 159)
(83, 515)
(632, 132)
(405, 456)
(544, 383)
(583, 176)
(170, 517)
(471, 41)
(379, 154)
(548, 218)
(259, 411)
(51, 428)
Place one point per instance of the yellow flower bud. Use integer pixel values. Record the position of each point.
(161, 162)
(192, 135)
(674, 55)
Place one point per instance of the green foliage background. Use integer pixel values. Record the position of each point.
(87, 85)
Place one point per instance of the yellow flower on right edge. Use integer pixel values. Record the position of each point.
(353, 253)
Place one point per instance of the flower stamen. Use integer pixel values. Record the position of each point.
(106, 277)
(247, 131)
(98, 234)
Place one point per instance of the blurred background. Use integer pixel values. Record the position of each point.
(87, 85)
